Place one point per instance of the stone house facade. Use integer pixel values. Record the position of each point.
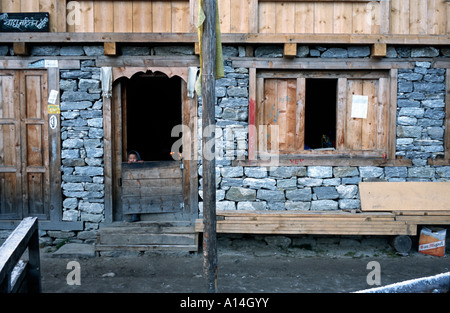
(420, 134)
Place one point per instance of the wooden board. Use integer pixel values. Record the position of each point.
(326, 223)
(408, 196)
(152, 187)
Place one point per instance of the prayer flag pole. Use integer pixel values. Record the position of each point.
(208, 64)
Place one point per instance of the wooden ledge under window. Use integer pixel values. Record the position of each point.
(439, 162)
(323, 161)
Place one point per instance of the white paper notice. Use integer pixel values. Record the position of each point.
(359, 106)
(53, 97)
(51, 63)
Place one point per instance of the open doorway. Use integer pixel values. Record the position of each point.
(153, 109)
(320, 113)
(145, 106)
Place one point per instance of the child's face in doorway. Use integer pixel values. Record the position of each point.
(132, 158)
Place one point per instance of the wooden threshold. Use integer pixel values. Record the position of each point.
(155, 247)
(147, 236)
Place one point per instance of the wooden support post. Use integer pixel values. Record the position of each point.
(20, 48)
(378, 50)
(208, 145)
(196, 48)
(110, 48)
(290, 50)
(249, 51)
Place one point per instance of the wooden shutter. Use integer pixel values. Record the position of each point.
(365, 136)
(280, 103)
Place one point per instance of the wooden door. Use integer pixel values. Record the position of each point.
(24, 157)
(152, 187)
(149, 187)
(10, 165)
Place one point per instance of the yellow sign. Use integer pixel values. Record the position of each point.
(53, 109)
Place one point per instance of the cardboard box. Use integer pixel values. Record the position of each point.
(432, 241)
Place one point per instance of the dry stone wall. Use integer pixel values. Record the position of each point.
(419, 132)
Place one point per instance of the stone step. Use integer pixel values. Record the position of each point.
(75, 250)
(144, 236)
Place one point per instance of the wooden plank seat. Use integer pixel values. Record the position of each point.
(318, 222)
(387, 208)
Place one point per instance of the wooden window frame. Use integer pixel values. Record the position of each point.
(334, 157)
(445, 161)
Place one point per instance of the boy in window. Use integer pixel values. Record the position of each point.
(134, 157)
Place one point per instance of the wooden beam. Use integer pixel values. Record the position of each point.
(318, 0)
(328, 64)
(337, 160)
(378, 50)
(110, 48)
(447, 116)
(290, 50)
(250, 38)
(196, 48)
(20, 48)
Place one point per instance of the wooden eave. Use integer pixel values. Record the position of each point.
(251, 38)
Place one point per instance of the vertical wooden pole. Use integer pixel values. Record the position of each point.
(34, 265)
(208, 145)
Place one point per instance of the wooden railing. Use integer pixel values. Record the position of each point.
(17, 275)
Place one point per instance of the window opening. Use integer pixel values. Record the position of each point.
(153, 109)
(320, 113)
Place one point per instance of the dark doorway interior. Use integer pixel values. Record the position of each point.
(153, 109)
(320, 113)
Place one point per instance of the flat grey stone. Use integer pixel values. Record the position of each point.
(75, 250)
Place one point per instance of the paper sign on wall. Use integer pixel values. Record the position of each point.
(53, 122)
(359, 106)
(53, 109)
(53, 97)
(51, 63)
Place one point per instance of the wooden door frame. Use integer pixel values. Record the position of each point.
(112, 110)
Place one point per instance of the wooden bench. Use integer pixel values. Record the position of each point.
(317, 223)
(17, 275)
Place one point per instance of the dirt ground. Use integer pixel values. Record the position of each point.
(243, 267)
